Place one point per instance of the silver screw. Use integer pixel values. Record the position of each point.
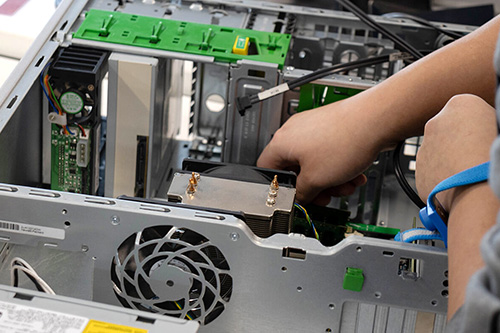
(85, 248)
(270, 201)
(234, 236)
(115, 220)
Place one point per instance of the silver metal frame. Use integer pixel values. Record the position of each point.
(271, 292)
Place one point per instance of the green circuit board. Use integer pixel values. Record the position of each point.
(70, 160)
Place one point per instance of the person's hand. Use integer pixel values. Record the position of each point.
(328, 147)
(457, 138)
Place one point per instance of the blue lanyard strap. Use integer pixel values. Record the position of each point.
(429, 215)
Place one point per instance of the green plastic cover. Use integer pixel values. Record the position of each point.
(179, 36)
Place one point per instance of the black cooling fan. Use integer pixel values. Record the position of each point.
(172, 271)
(76, 76)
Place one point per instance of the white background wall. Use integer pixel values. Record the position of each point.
(19, 30)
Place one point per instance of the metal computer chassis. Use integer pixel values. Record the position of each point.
(285, 283)
(281, 283)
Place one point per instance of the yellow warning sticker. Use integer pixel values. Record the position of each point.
(95, 326)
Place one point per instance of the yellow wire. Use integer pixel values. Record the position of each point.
(181, 309)
(308, 219)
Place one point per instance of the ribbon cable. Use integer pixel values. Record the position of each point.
(431, 219)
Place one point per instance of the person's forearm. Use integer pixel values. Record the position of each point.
(472, 213)
(400, 106)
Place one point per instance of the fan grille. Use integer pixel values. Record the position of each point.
(172, 271)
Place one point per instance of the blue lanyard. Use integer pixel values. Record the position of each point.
(436, 227)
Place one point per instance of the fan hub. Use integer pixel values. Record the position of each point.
(169, 282)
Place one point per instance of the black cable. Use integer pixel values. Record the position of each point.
(338, 68)
(424, 22)
(400, 43)
(33, 279)
(410, 192)
(245, 102)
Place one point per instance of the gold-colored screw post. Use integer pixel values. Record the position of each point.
(194, 179)
(273, 192)
(274, 184)
(191, 189)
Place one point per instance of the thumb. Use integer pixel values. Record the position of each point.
(306, 190)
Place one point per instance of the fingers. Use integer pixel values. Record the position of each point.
(277, 156)
(323, 197)
(359, 180)
(268, 159)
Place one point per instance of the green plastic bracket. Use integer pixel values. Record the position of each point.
(316, 95)
(178, 36)
(353, 279)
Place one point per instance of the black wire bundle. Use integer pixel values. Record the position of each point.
(424, 22)
(400, 43)
(400, 176)
(338, 69)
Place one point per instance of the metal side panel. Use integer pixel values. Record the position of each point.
(247, 135)
(284, 283)
(20, 143)
(165, 123)
(213, 100)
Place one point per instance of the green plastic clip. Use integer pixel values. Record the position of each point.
(353, 279)
(206, 39)
(272, 43)
(106, 23)
(155, 36)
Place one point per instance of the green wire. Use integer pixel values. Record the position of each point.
(59, 105)
(54, 95)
